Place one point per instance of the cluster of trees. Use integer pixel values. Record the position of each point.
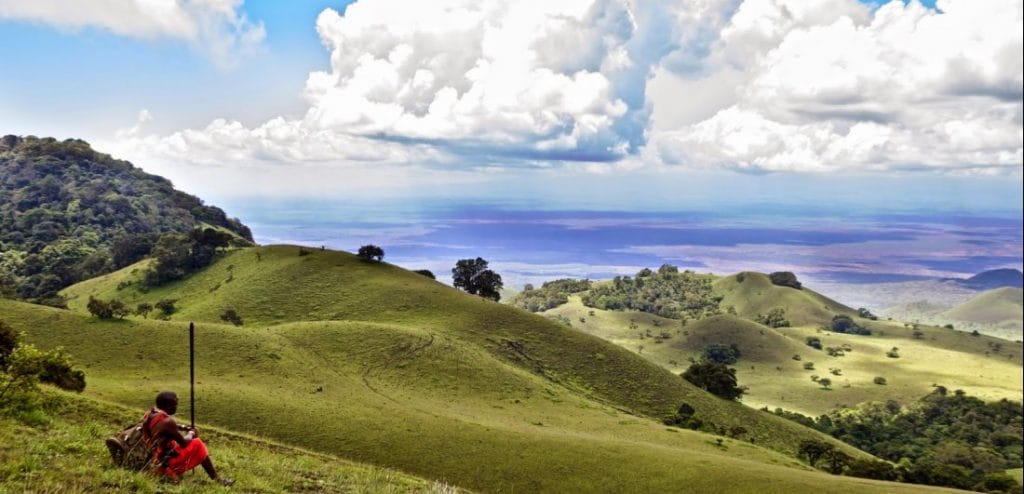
(109, 309)
(23, 367)
(550, 295)
(176, 256)
(775, 318)
(845, 324)
(721, 354)
(667, 293)
(785, 278)
(474, 276)
(945, 439)
(68, 213)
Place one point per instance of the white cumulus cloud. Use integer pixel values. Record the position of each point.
(903, 87)
(216, 27)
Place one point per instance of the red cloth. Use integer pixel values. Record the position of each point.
(187, 458)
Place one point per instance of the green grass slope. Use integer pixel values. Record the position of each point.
(755, 342)
(411, 374)
(757, 295)
(441, 410)
(62, 450)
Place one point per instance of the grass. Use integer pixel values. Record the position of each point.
(378, 365)
(756, 294)
(63, 451)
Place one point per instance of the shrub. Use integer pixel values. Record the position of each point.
(785, 278)
(808, 365)
(879, 380)
(721, 354)
(118, 309)
(144, 309)
(842, 323)
(813, 342)
(894, 353)
(166, 306)
(231, 316)
(425, 272)
(825, 382)
(775, 318)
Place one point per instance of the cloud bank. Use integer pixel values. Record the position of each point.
(755, 85)
(215, 27)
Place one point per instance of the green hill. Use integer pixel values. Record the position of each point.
(407, 373)
(751, 294)
(775, 379)
(69, 213)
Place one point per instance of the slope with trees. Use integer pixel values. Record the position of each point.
(69, 213)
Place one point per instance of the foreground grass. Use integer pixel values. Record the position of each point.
(63, 452)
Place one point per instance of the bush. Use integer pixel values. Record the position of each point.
(425, 272)
(785, 278)
(842, 323)
(871, 469)
(879, 380)
(775, 318)
(808, 365)
(714, 378)
(232, 317)
(143, 309)
(813, 342)
(721, 354)
(894, 353)
(166, 306)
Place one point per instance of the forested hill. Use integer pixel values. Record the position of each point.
(69, 213)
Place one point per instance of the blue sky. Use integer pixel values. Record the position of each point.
(581, 103)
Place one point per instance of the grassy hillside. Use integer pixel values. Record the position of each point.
(1002, 308)
(752, 293)
(62, 450)
(444, 385)
(997, 312)
(775, 379)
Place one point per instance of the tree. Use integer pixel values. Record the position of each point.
(370, 253)
(425, 272)
(8, 340)
(99, 308)
(118, 309)
(144, 309)
(813, 450)
(714, 378)
(825, 382)
(473, 276)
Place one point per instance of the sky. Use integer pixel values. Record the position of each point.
(583, 103)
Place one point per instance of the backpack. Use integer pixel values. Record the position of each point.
(128, 448)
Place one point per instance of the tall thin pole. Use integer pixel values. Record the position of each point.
(192, 371)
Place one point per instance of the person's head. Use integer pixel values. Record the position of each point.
(167, 401)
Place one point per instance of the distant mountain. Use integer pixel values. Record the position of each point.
(995, 278)
(69, 213)
(998, 312)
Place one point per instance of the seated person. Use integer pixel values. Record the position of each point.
(174, 453)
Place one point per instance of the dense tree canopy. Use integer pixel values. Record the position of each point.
(473, 276)
(69, 213)
(715, 378)
(667, 293)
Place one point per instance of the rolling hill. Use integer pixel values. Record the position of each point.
(751, 293)
(768, 364)
(376, 364)
(997, 312)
